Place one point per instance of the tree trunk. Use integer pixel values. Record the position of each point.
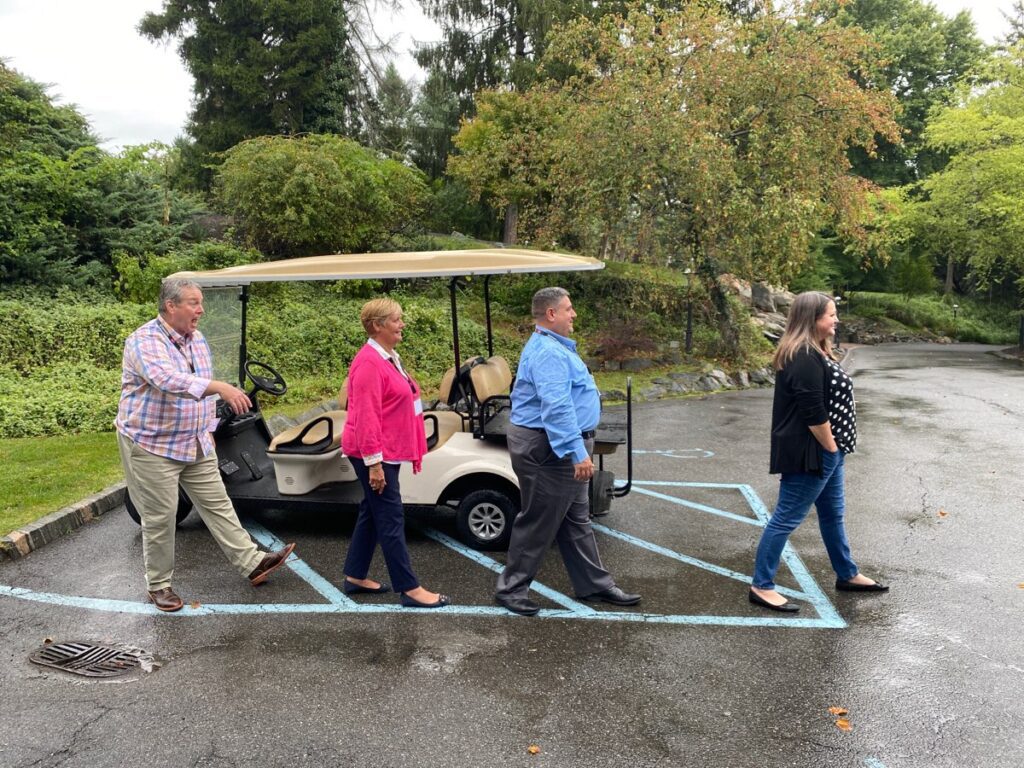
(708, 270)
(510, 234)
(949, 273)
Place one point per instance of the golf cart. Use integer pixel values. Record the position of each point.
(467, 468)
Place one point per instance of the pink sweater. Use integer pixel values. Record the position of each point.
(381, 412)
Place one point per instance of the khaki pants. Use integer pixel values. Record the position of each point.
(153, 484)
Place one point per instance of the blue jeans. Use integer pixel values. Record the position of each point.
(797, 491)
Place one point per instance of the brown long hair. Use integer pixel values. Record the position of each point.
(801, 327)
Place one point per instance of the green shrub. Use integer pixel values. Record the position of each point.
(58, 399)
(316, 194)
(139, 277)
(38, 333)
(978, 321)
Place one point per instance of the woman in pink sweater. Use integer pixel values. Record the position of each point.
(384, 427)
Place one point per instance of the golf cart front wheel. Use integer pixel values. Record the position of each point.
(184, 507)
(484, 519)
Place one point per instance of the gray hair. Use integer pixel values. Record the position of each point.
(545, 299)
(171, 289)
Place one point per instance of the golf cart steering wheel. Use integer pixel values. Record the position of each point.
(272, 386)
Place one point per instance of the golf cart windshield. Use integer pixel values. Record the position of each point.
(222, 327)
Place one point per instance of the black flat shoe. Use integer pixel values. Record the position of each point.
(786, 607)
(351, 588)
(412, 602)
(849, 586)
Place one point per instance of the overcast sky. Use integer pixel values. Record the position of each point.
(134, 91)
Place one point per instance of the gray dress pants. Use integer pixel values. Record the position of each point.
(555, 508)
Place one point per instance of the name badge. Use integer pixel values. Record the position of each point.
(417, 406)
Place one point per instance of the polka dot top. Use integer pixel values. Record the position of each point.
(842, 411)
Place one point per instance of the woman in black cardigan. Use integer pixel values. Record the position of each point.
(814, 425)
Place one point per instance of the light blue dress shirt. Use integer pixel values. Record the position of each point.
(555, 391)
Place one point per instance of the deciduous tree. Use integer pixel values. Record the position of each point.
(922, 54)
(688, 135)
(972, 212)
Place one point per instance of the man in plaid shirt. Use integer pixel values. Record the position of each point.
(164, 424)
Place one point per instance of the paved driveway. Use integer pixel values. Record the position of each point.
(294, 673)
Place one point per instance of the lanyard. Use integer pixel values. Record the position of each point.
(181, 351)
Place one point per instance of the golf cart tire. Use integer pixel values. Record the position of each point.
(484, 520)
(184, 507)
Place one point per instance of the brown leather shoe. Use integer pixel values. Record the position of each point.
(165, 600)
(271, 562)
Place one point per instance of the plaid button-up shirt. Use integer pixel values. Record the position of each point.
(163, 378)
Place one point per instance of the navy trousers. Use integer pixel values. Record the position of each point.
(381, 520)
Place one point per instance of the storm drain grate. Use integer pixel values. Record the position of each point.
(87, 659)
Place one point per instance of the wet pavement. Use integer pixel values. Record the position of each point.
(292, 674)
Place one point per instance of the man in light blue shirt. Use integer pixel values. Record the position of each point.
(555, 410)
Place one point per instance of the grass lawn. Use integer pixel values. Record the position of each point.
(39, 475)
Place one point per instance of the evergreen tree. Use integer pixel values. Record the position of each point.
(280, 67)
(65, 204)
(1015, 18)
(390, 126)
(435, 120)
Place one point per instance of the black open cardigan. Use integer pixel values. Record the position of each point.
(801, 398)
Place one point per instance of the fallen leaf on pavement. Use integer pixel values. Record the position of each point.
(843, 724)
(943, 513)
(533, 749)
(194, 604)
(838, 711)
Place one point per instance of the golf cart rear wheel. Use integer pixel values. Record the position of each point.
(484, 519)
(184, 507)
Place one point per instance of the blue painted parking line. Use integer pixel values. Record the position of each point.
(809, 589)
(575, 607)
(695, 505)
(330, 592)
(337, 602)
(679, 453)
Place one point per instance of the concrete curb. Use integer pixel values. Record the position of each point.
(32, 536)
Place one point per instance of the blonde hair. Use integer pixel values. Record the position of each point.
(376, 311)
(801, 328)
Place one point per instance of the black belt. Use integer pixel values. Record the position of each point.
(586, 435)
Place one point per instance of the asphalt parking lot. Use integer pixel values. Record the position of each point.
(295, 673)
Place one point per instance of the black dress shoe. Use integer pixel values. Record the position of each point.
(351, 588)
(524, 606)
(786, 607)
(613, 595)
(850, 586)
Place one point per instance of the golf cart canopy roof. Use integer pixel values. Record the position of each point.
(377, 266)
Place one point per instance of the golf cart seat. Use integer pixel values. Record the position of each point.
(309, 454)
(440, 426)
(317, 435)
(491, 383)
(456, 388)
